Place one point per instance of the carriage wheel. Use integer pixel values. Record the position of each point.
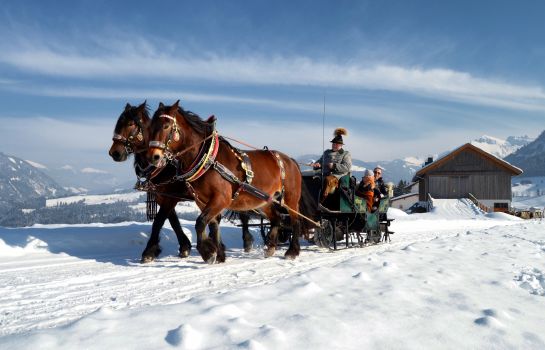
(324, 236)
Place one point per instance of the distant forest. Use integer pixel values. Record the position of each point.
(73, 213)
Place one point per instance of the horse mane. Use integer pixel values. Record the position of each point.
(130, 115)
(195, 122)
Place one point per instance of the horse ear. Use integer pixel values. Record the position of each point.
(127, 106)
(176, 104)
(142, 106)
(161, 105)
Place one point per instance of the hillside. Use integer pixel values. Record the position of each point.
(530, 158)
(24, 185)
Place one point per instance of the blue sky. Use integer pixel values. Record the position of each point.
(406, 78)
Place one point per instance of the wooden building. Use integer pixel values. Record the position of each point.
(469, 171)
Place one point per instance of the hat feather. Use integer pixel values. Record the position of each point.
(340, 131)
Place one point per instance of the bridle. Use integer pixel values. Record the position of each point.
(173, 135)
(128, 142)
(203, 161)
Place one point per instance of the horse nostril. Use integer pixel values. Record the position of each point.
(156, 157)
(116, 155)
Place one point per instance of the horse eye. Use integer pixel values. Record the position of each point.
(131, 123)
(165, 126)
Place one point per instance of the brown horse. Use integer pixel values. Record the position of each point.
(131, 135)
(214, 174)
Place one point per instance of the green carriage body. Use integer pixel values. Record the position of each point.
(346, 217)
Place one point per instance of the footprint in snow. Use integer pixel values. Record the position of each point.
(245, 273)
(489, 319)
(251, 345)
(185, 336)
(531, 279)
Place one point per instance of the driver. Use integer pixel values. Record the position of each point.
(336, 161)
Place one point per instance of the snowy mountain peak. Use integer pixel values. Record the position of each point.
(23, 184)
(519, 140)
(501, 148)
(490, 140)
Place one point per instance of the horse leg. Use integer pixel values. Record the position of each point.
(185, 243)
(274, 219)
(247, 237)
(152, 247)
(206, 246)
(294, 248)
(214, 234)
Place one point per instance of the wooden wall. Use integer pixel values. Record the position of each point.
(467, 172)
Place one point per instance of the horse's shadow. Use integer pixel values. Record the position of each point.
(118, 245)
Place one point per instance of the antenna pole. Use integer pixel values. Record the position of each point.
(323, 138)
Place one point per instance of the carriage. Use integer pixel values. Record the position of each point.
(344, 215)
(343, 218)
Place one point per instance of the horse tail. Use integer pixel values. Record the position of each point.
(308, 206)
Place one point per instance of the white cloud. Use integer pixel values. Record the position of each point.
(93, 171)
(44, 139)
(47, 57)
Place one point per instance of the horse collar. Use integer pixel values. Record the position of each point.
(203, 161)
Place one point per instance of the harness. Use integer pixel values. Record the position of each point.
(206, 159)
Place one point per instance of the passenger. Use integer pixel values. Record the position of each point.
(335, 161)
(381, 190)
(366, 189)
(379, 181)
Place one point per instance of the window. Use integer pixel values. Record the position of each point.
(503, 207)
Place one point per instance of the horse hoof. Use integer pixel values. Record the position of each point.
(269, 252)
(211, 260)
(146, 259)
(247, 249)
(184, 254)
(291, 255)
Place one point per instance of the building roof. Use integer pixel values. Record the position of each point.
(502, 163)
(406, 195)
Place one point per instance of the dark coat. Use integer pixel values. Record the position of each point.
(379, 184)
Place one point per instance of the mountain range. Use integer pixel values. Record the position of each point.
(24, 185)
(501, 148)
(24, 182)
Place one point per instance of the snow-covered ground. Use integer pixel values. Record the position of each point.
(453, 278)
(529, 202)
(97, 199)
(528, 187)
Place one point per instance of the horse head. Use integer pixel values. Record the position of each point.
(173, 129)
(130, 133)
